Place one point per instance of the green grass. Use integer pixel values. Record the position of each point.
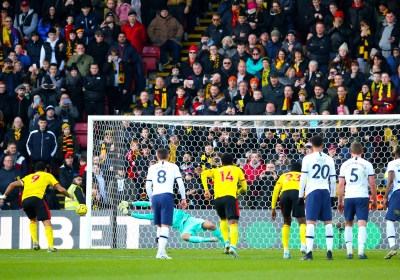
(191, 264)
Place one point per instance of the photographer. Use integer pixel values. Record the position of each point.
(9, 76)
(276, 19)
(110, 29)
(66, 111)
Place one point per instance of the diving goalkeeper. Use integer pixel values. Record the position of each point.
(187, 225)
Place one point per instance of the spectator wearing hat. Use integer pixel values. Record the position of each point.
(319, 46)
(205, 43)
(254, 85)
(66, 111)
(19, 105)
(110, 8)
(166, 32)
(227, 70)
(110, 29)
(81, 60)
(33, 47)
(73, 84)
(291, 44)
(135, 31)
(315, 14)
(10, 78)
(66, 171)
(26, 21)
(342, 59)
(87, 21)
(98, 48)
(301, 106)
(274, 44)
(276, 19)
(241, 31)
(232, 90)
(380, 13)
(229, 13)
(186, 68)
(274, 92)
(9, 35)
(256, 20)
(216, 30)
(122, 10)
(41, 144)
(387, 35)
(52, 49)
(339, 32)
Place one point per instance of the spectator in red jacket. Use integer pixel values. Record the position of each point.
(136, 34)
(254, 168)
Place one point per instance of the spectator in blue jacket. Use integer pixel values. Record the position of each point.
(41, 144)
(87, 21)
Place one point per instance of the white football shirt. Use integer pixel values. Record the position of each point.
(356, 171)
(162, 176)
(394, 166)
(316, 171)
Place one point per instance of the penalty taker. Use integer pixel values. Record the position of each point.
(186, 224)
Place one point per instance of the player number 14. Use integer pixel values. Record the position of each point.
(228, 176)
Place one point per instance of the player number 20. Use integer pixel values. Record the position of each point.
(324, 171)
(161, 177)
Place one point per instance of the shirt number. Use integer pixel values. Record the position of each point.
(35, 178)
(323, 171)
(354, 174)
(161, 177)
(228, 176)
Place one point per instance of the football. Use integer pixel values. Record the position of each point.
(81, 209)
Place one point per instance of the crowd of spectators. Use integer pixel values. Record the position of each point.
(63, 60)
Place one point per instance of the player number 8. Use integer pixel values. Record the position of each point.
(161, 177)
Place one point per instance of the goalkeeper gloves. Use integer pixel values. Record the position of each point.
(300, 201)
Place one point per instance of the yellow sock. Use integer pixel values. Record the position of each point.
(224, 229)
(33, 230)
(49, 236)
(285, 236)
(303, 228)
(233, 234)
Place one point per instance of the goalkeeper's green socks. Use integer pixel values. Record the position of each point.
(217, 233)
(33, 230)
(198, 239)
(141, 203)
(142, 216)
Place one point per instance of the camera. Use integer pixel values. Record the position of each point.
(332, 73)
(66, 101)
(217, 160)
(48, 86)
(10, 68)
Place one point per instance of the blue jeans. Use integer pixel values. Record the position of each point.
(176, 52)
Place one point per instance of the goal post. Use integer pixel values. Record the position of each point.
(121, 148)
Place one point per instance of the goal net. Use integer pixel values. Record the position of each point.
(121, 149)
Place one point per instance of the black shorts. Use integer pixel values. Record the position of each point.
(227, 208)
(35, 207)
(289, 205)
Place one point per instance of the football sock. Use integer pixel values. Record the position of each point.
(162, 242)
(233, 234)
(390, 233)
(348, 238)
(310, 237)
(198, 239)
(329, 237)
(285, 237)
(217, 233)
(303, 229)
(141, 204)
(224, 229)
(33, 230)
(142, 216)
(49, 236)
(158, 231)
(362, 238)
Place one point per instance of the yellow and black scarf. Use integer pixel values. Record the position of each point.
(306, 108)
(361, 97)
(286, 104)
(265, 76)
(17, 134)
(160, 97)
(71, 49)
(296, 65)
(341, 100)
(216, 61)
(375, 86)
(363, 53)
(121, 73)
(68, 144)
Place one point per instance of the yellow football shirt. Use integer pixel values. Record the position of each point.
(36, 184)
(287, 181)
(226, 179)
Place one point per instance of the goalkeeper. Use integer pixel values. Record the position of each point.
(187, 225)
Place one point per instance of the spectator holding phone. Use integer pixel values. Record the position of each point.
(66, 111)
(22, 55)
(387, 35)
(36, 109)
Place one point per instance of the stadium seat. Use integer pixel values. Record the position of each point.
(81, 134)
(151, 56)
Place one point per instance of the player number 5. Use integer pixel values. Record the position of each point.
(354, 174)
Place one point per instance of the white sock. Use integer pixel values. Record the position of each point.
(390, 233)
(348, 238)
(362, 239)
(158, 231)
(310, 237)
(329, 237)
(162, 242)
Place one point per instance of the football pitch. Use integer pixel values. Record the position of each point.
(191, 264)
